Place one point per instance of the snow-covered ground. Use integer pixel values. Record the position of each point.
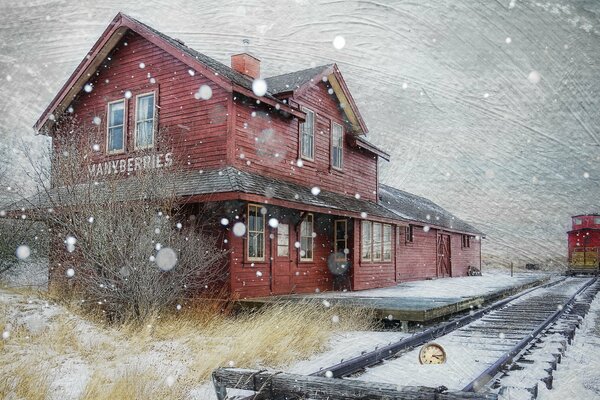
(74, 350)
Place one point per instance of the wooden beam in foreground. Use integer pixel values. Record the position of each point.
(274, 385)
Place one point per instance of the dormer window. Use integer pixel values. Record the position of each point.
(116, 127)
(337, 146)
(144, 121)
(307, 135)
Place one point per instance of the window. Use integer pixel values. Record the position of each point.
(307, 135)
(337, 146)
(144, 121)
(116, 127)
(256, 233)
(283, 240)
(577, 221)
(387, 242)
(376, 241)
(366, 241)
(341, 239)
(597, 220)
(306, 238)
(409, 234)
(466, 241)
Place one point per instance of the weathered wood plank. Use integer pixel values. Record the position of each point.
(269, 385)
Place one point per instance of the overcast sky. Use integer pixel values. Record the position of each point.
(488, 108)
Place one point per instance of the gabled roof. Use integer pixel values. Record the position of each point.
(218, 72)
(297, 82)
(417, 209)
(291, 81)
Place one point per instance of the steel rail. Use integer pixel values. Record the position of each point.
(507, 357)
(358, 363)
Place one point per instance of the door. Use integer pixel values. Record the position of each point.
(281, 275)
(444, 267)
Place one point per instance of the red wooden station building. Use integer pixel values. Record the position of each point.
(291, 163)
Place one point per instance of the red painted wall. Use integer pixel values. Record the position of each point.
(268, 144)
(416, 260)
(196, 130)
(462, 257)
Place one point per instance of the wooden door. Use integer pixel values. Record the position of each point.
(444, 267)
(281, 274)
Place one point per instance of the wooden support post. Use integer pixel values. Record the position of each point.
(269, 385)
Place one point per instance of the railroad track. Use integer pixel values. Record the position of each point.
(503, 350)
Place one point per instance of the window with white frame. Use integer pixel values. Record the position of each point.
(387, 242)
(340, 231)
(307, 135)
(115, 142)
(337, 146)
(306, 238)
(256, 233)
(144, 121)
(376, 241)
(377, 233)
(366, 240)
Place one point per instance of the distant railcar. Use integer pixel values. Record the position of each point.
(584, 244)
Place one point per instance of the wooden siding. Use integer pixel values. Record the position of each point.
(268, 143)
(195, 130)
(463, 258)
(416, 260)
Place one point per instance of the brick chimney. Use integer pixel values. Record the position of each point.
(246, 64)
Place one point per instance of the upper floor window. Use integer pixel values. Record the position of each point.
(256, 233)
(337, 146)
(144, 121)
(116, 127)
(307, 135)
(306, 238)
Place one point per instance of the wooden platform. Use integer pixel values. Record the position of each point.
(403, 307)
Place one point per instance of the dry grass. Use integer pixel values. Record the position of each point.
(133, 360)
(24, 380)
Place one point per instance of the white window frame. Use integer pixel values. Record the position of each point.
(377, 241)
(340, 146)
(336, 249)
(305, 258)
(135, 137)
(387, 244)
(310, 157)
(108, 127)
(248, 232)
(366, 227)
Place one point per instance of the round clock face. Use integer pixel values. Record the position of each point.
(432, 353)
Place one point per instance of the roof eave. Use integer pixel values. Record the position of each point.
(359, 142)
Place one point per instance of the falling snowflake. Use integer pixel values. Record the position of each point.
(88, 88)
(128, 94)
(534, 77)
(166, 258)
(239, 229)
(315, 190)
(70, 272)
(339, 42)
(142, 65)
(23, 252)
(273, 222)
(259, 87)
(224, 221)
(204, 93)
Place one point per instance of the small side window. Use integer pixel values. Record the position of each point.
(144, 121)
(466, 241)
(307, 135)
(408, 231)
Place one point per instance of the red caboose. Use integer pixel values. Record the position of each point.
(584, 244)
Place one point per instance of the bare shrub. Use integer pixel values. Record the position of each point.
(120, 240)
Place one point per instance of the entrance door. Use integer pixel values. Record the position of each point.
(444, 267)
(281, 276)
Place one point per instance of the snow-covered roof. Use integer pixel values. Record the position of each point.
(419, 209)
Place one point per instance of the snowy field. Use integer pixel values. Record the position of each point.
(74, 356)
